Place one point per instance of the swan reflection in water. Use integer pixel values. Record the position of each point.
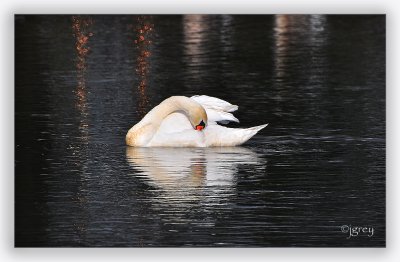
(191, 173)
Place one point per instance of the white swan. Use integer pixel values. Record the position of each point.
(181, 121)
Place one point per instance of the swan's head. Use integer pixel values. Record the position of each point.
(198, 118)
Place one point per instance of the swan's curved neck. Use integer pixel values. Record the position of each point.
(141, 133)
(169, 106)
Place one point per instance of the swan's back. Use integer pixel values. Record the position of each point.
(220, 111)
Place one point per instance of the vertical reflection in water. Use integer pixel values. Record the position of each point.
(317, 23)
(195, 29)
(318, 40)
(299, 45)
(81, 29)
(281, 44)
(307, 31)
(226, 36)
(81, 26)
(143, 42)
(281, 36)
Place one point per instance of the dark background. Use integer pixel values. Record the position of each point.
(83, 81)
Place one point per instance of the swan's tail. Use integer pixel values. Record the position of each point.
(255, 129)
(224, 136)
(250, 132)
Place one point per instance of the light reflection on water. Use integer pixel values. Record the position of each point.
(143, 42)
(287, 29)
(82, 32)
(195, 31)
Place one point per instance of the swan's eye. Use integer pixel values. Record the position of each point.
(200, 126)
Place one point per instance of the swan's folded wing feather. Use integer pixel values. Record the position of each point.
(175, 123)
(217, 109)
(176, 131)
(220, 116)
(214, 103)
(186, 138)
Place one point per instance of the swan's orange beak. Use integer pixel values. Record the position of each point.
(199, 127)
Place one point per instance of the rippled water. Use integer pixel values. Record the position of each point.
(83, 81)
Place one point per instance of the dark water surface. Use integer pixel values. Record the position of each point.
(83, 81)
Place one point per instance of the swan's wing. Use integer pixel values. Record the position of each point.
(215, 103)
(215, 116)
(217, 109)
(187, 138)
(223, 136)
(174, 123)
(176, 131)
